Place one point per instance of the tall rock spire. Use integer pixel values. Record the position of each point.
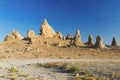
(114, 42)
(46, 30)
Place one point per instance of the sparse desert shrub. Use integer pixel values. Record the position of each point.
(23, 75)
(73, 69)
(77, 78)
(49, 65)
(13, 69)
(63, 66)
(32, 79)
(12, 74)
(14, 78)
(89, 78)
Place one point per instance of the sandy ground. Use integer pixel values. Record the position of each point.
(28, 66)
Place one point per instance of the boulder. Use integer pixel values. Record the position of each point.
(14, 35)
(69, 37)
(30, 34)
(114, 42)
(77, 37)
(46, 30)
(99, 42)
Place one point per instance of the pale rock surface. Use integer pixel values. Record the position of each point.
(59, 35)
(77, 36)
(69, 37)
(90, 40)
(30, 34)
(114, 42)
(46, 30)
(14, 35)
(99, 42)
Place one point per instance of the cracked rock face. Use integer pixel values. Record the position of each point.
(114, 42)
(99, 42)
(14, 35)
(46, 30)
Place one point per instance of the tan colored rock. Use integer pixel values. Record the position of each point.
(69, 37)
(30, 34)
(14, 35)
(114, 42)
(90, 40)
(59, 35)
(77, 37)
(99, 42)
(46, 30)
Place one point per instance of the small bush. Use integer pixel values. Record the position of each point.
(32, 79)
(13, 69)
(73, 70)
(63, 66)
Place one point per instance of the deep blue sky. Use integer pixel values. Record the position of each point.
(98, 17)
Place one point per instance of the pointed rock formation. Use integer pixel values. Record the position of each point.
(30, 34)
(77, 36)
(114, 42)
(99, 42)
(59, 35)
(46, 30)
(69, 37)
(14, 35)
(90, 40)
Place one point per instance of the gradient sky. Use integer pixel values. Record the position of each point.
(98, 17)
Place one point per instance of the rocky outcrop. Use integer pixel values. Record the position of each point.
(14, 35)
(46, 30)
(90, 40)
(114, 42)
(59, 35)
(30, 34)
(77, 37)
(99, 42)
(69, 37)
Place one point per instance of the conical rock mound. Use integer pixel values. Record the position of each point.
(14, 35)
(99, 42)
(77, 36)
(114, 42)
(46, 30)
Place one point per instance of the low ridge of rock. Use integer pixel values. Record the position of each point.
(46, 30)
(14, 35)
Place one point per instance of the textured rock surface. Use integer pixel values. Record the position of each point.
(59, 35)
(99, 42)
(77, 36)
(69, 37)
(114, 42)
(90, 40)
(14, 35)
(30, 34)
(46, 30)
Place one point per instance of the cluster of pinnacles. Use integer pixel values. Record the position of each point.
(46, 31)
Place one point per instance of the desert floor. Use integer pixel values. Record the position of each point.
(45, 69)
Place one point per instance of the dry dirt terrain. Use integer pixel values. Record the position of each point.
(23, 61)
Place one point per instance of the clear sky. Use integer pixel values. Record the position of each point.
(98, 17)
